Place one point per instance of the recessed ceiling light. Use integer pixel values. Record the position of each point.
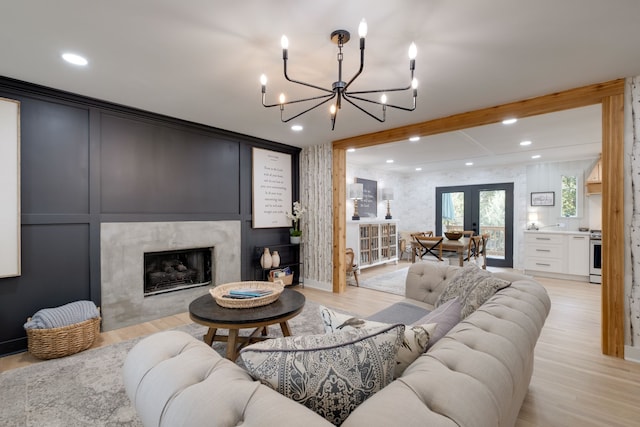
(418, 169)
(536, 156)
(350, 150)
(296, 128)
(414, 138)
(74, 59)
(390, 161)
(469, 164)
(523, 143)
(509, 121)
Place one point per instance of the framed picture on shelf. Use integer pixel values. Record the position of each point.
(543, 198)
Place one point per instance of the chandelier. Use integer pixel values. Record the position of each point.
(340, 89)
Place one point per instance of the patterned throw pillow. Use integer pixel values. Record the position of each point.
(473, 286)
(330, 374)
(416, 338)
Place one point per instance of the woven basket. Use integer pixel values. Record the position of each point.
(219, 291)
(64, 341)
(287, 279)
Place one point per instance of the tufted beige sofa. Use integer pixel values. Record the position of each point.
(476, 375)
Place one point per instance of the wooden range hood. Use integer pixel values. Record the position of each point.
(594, 181)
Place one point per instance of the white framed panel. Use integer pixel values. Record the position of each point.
(10, 188)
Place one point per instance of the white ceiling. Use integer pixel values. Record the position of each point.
(200, 60)
(562, 136)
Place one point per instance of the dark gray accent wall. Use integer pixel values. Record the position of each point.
(84, 161)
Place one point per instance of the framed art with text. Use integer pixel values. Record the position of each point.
(271, 188)
(544, 198)
(368, 206)
(10, 189)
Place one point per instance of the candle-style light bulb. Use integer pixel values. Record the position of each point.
(413, 51)
(282, 98)
(263, 80)
(414, 84)
(284, 42)
(332, 109)
(383, 98)
(362, 29)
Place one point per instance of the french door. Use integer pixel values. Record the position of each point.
(484, 209)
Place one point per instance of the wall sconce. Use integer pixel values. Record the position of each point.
(356, 192)
(533, 217)
(387, 194)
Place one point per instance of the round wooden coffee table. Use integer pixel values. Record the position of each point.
(205, 311)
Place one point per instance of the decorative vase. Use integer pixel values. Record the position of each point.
(295, 240)
(266, 261)
(275, 259)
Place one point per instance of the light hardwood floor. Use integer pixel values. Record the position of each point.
(573, 384)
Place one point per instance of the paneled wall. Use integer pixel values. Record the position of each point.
(85, 162)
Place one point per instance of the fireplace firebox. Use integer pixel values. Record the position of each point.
(170, 271)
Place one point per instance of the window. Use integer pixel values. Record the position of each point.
(569, 196)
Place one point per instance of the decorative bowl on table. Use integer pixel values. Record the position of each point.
(247, 294)
(453, 235)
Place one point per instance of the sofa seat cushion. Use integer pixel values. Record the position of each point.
(473, 286)
(330, 374)
(400, 312)
(416, 337)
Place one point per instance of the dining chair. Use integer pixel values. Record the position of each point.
(414, 247)
(468, 233)
(482, 251)
(352, 268)
(429, 245)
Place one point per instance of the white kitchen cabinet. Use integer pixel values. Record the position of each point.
(373, 243)
(558, 254)
(578, 254)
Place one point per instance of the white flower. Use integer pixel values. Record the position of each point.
(298, 210)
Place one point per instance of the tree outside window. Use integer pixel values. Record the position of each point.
(569, 196)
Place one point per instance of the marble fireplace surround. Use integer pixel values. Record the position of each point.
(122, 248)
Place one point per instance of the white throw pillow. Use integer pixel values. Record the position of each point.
(416, 337)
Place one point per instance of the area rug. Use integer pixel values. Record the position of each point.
(86, 389)
(393, 282)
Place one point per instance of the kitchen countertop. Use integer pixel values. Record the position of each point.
(551, 231)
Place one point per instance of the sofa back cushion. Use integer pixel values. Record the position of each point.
(427, 280)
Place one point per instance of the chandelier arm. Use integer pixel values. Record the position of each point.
(399, 89)
(398, 107)
(286, 76)
(295, 101)
(305, 111)
(381, 120)
(361, 65)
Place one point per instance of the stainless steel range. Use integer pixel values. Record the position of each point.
(595, 256)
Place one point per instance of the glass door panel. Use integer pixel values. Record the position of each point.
(452, 211)
(492, 209)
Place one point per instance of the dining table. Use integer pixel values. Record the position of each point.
(459, 246)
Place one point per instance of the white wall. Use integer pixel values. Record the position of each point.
(547, 177)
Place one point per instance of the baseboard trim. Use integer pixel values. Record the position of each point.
(323, 286)
(632, 353)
